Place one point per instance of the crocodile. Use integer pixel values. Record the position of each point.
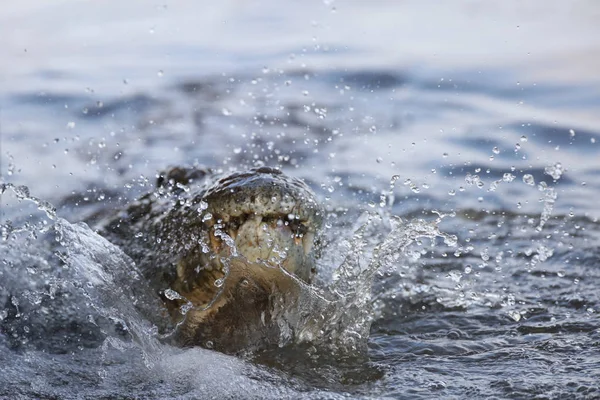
(222, 251)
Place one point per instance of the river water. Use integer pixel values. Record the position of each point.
(486, 113)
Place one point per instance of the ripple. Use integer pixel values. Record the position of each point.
(555, 135)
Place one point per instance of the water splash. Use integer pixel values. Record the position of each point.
(22, 193)
(108, 278)
(549, 198)
(339, 316)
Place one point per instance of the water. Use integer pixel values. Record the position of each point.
(483, 113)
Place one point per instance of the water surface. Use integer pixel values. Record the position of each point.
(486, 112)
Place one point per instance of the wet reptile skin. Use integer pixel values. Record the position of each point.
(182, 238)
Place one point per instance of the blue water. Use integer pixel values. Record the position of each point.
(463, 107)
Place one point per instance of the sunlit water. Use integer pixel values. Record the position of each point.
(456, 150)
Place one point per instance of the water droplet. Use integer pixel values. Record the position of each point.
(485, 255)
(382, 200)
(219, 282)
(474, 179)
(185, 308)
(496, 150)
(202, 206)
(515, 315)
(507, 177)
(455, 276)
(171, 294)
(528, 179)
(226, 112)
(555, 171)
(160, 73)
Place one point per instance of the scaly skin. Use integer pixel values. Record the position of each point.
(195, 227)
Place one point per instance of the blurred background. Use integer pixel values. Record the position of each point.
(101, 93)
